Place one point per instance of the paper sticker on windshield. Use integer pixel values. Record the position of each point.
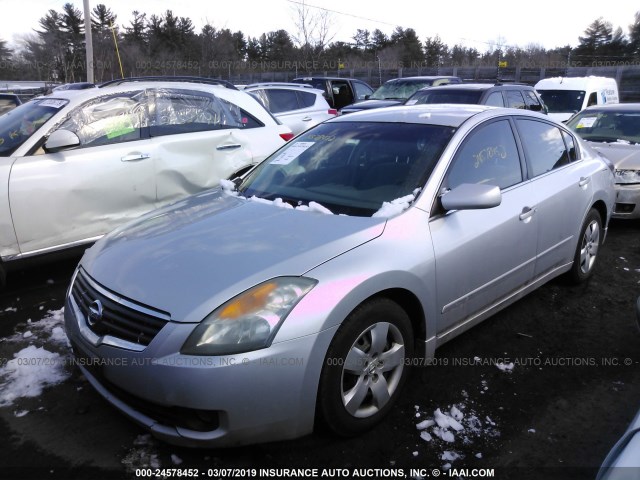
(291, 153)
(52, 103)
(586, 122)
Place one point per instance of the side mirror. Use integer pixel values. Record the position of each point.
(61, 140)
(471, 196)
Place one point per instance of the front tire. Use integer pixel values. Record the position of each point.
(365, 367)
(584, 260)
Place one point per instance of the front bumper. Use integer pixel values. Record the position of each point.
(627, 201)
(252, 397)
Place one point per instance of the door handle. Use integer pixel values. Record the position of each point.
(230, 146)
(306, 119)
(134, 157)
(526, 214)
(584, 181)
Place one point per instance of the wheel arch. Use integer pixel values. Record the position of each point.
(601, 208)
(410, 303)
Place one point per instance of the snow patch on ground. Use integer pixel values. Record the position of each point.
(31, 370)
(458, 425)
(505, 367)
(40, 364)
(142, 455)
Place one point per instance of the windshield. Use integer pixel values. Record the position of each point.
(445, 96)
(17, 126)
(350, 167)
(399, 90)
(598, 126)
(563, 101)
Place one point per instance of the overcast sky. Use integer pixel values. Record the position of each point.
(550, 23)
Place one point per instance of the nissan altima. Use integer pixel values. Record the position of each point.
(299, 294)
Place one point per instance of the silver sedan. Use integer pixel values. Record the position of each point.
(302, 292)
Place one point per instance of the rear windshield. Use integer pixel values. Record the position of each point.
(18, 125)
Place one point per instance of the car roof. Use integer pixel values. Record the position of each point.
(329, 78)
(289, 86)
(616, 107)
(240, 98)
(79, 96)
(421, 78)
(277, 84)
(478, 86)
(435, 114)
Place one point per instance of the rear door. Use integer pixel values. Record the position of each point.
(561, 190)
(198, 139)
(70, 196)
(295, 109)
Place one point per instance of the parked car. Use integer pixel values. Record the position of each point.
(565, 96)
(74, 86)
(623, 461)
(396, 91)
(614, 131)
(8, 101)
(303, 290)
(497, 95)
(339, 91)
(75, 164)
(298, 106)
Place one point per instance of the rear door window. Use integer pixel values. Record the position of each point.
(306, 99)
(544, 145)
(280, 100)
(495, 99)
(176, 111)
(515, 99)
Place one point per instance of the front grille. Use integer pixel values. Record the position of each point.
(123, 319)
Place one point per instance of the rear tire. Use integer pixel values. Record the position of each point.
(365, 367)
(584, 260)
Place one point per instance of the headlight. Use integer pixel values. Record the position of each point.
(627, 176)
(248, 321)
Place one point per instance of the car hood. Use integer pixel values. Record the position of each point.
(622, 155)
(189, 258)
(370, 104)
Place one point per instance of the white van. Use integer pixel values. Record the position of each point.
(565, 96)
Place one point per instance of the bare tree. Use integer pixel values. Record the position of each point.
(313, 29)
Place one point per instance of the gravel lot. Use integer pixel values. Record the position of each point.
(572, 390)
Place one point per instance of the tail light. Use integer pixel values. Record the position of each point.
(333, 111)
(286, 136)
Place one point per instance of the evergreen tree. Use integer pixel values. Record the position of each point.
(634, 37)
(596, 38)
